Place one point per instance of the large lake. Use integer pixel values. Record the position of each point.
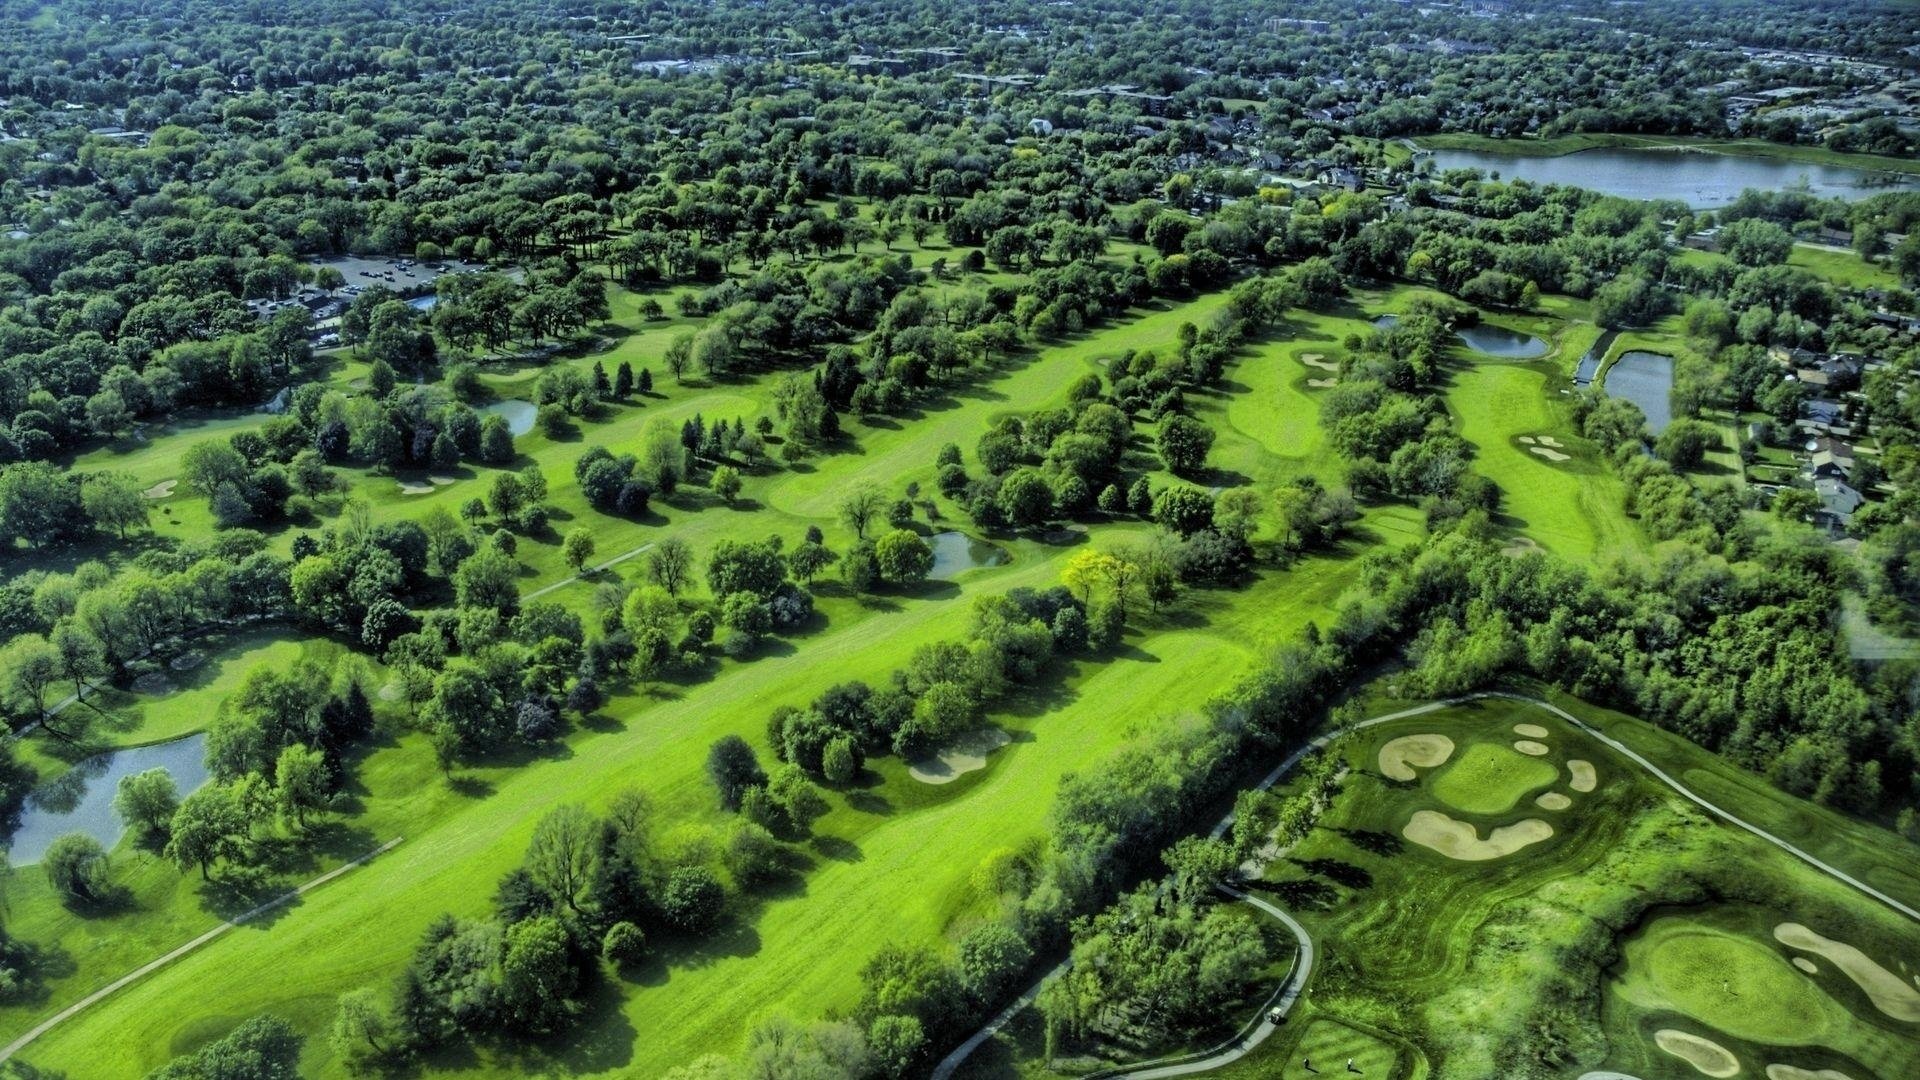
(1702, 180)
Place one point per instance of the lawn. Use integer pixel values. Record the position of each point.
(1491, 779)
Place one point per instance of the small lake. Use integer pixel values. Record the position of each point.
(955, 552)
(1484, 338)
(1702, 180)
(519, 414)
(1500, 341)
(82, 799)
(1646, 379)
(1590, 363)
(423, 303)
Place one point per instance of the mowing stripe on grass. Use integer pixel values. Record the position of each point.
(70, 1011)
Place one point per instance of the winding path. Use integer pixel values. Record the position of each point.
(152, 966)
(1257, 1031)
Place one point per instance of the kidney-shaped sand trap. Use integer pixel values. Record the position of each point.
(1582, 777)
(1531, 748)
(1553, 800)
(1795, 1072)
(1399, 757)
(966, 753)
(1530, 731)
(1890, 993)
(1703, 1054)
(1460, 840)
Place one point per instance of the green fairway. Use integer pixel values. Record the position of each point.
(1490, 778)
(1738, 985)
(1332, 1048)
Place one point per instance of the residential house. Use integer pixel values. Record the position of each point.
(1838, 501)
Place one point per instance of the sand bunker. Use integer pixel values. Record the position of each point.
(1806, 965)
(1531, 748)
(442, 481)
(1705, 1055)
(1526, 440)
(415, 487)
(1890, 993)
(160, 490)
(1553, 800)
(965, 754)
(1399, 757)
(188, 660)
(1520, 546)
(1550, 455)
(1548, 440)
(1795, 1072)
(1530, 731)
(1319, 360)
(1584, 779)
(1459, 840)
(1322, 384)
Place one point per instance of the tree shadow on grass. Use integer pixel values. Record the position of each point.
(1374, 841)
(1337, 871)
(470, 787)
(1303, 895)
(837, 848)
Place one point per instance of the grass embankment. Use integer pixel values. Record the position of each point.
(1569, 144)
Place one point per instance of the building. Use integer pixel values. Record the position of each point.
(1838, 502)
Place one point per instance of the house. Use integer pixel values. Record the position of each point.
(1040, 125)
(1829, 458)
(1823, 414)
(1838, 502)
(1341, 177)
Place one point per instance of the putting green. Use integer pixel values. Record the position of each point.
(1731, 983)
(1328, 1045)
(1491, 779)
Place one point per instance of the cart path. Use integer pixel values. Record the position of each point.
(590, 571)
(150, 967)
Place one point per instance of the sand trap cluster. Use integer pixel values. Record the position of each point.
(160, 490)
(1319, 360)
(1460, 840)
(1550, 455)
(1795, 1072)
(1530, 731)
(1553, 800)
(1531, 748)
(415, 487)
(1703, 1054)
(1890, 993)
(1399, 757)
(1582, 777)
(966, 753)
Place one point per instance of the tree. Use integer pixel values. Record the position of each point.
(29, 666)
(564, 852)
(624, 944)
(207, 466)
(114, 501)
(903, 557)
(577, 548)
(670, 565)
(991, 957)
(733, 768)
(896, 1043)
(147, 800)
(1025, 499)
(693, 900)
(76, 866)
(301, 779)
(726, 483)
(1185, 510)
(859, 507)
(537, 976)
(486, 580)
(209, 826)
(263, 1048)
(809, 560)
(360, 1028)
(1184, 443)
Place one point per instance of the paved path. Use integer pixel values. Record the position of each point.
(610, 563)
(1239, 1046)
(144, 970)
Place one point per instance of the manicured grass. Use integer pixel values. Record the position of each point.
(1843, 268)
(1727, 981)
(1491, 778)
(1338, 1049)
(1568, 144)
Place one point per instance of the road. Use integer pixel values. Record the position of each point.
(1249, 1038)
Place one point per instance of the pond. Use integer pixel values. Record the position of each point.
(1500, 341)
(1646, 379)
(1484, 338)
(1590, 363)
(955, 552)
(423, 303)
(82, 800)
(1701, 179)
(519, 414)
